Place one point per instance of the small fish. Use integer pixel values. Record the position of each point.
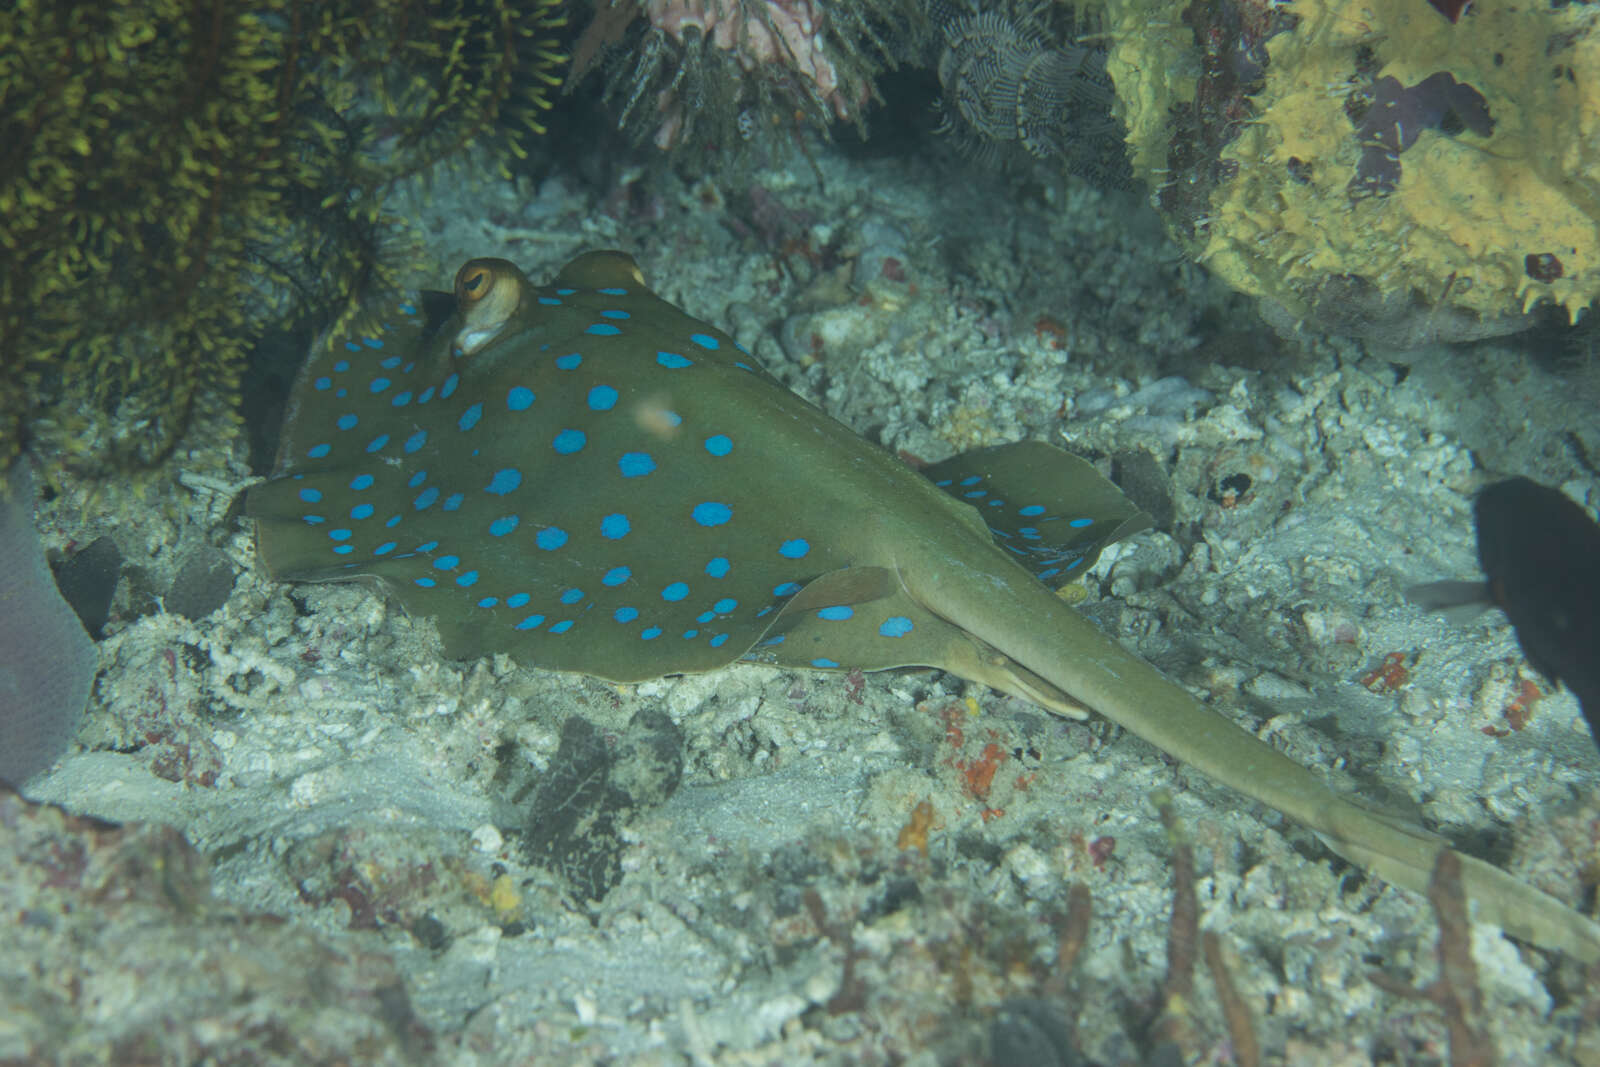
(585, 477)
(1540, 552)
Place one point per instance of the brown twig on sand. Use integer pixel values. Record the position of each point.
(1241, 1028)
(1455, 992)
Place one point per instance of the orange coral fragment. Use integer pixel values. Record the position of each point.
(978, 775)
(1388, 676)
(1054, 328)
(1520, 710)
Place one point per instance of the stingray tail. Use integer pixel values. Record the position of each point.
(1051, 640)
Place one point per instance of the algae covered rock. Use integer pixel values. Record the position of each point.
(1372, 160)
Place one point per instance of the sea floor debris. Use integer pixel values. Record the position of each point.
(343, 778)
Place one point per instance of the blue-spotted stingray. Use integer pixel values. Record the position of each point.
(587, 478)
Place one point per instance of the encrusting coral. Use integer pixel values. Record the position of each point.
(1361, 161)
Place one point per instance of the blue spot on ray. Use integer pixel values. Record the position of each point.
(569, 441)
(550, 538)
(614, 526)
(636, 464)
(712, 513)
(673, 361)
(504, 481)
(896, 626)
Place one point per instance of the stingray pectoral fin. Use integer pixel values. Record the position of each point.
(860, 618)
(1051, 511)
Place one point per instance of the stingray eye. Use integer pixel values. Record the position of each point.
(474, 281)
(488, 293)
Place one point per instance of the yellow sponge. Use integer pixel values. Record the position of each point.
(1486, 220)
